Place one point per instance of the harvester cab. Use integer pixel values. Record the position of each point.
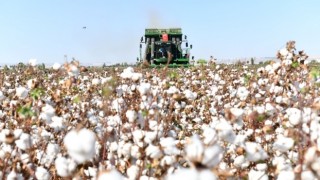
(165, 47)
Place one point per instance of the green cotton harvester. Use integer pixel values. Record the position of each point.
(165, 47)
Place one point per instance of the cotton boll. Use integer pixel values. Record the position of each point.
(225, 131)
(91, 172)
(24, 142)
(80, 145)
(144, 88)
(2, 97)
(168, 145)
(257, 175)
(42, 173)
(153, 152)
(242, 93)
(64, 166)
(190, 95)
(238, 161)
(95, 81)
(209, 136)
(14, 176)
(283, 144)
(255, 152)
(194, 149)
(192, 174)
(58, 123)
(56, 66)
(21, 92)
(33, 62)
(131, 115)
(212, 156)
(294, 116)
(113, 174)
(133, 172)
(286, 175)
(136, 77)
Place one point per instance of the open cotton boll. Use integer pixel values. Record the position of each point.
(42, 173)
(212, 156)
(80, 145)
(283, 144)
(153, 152)
(127, 73)
(113, 174)
(284, 52)
(22, 92)
(144, 88)
(294, 116)
(168, 145)
(73, 71)
(255, 152)
(225, 131)
(286, 175)
(136, 77)
(257, 175)
(14, 176)
(192, 174)
(33, 62)
(133, 172)
(209, 136)
(242, 93)
(65, 167)
(2, 97)
(131, 115)
(190, 95)
(24, 142)
(95, 81)
(58, 123)
(91, 172)
(194, 149)
(56, 66)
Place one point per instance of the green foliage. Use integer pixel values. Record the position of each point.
(25, 111)
(76, 99)
(202, 61)
(247, 79)
(37, 93)
(173, 75)
(295, 64)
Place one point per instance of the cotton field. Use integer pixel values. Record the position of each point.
(199, 123)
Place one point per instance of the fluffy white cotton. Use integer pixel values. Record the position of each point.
(192, 174)
(113, 174)
(283, 144)
(257, 175)
(131, 115)
(58, 123)
(255, 152)
(56, 66)
(80, 145)
(144, 88)
(286, 175)
(294, 116)
(95, 81)
(190, 95)
(242, 93)
(24, 142)
(212, 156)
(22, 92)
(33, 62)
(64, 166)
(194, 149)
(153, 152)
(42, 173)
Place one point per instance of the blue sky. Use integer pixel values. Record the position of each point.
(48, 30)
